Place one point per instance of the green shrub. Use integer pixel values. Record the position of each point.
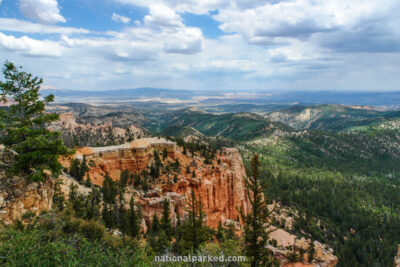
(28, 215)
(71, 226)
(92, 230)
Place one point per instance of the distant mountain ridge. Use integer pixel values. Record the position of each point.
(330, 117)
(386, 99)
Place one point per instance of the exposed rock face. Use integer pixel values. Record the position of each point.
(282, 243)
(134, 156)
(287, 242)
(219, 185)
(74, 133)
(221, 190)
(18, 197)
(397, 258)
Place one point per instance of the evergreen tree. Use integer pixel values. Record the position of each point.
(78, 169)
(58, 196)
(124, 178)
(74, 168)
(77, 200)
(93, 201)
(23, 126)
(88, 182)
(255, 235)
(220, 233)
(177, 246)
(165, 220)
(194, 231)
(134, 218)
(165, 154)
(155, 224)
(109, 191)
(83, 168)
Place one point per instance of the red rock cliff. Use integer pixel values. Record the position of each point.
(219, 185)
(221, 190)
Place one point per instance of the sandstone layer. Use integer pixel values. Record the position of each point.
(18, 197)
(219, 185)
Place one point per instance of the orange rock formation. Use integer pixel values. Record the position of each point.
(220, 186)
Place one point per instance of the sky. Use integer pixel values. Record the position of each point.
(246, 45)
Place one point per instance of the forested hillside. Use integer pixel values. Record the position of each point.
(346, 185)
(333, 118)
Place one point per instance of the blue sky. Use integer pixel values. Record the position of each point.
(209, 44)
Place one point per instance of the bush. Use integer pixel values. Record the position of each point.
(28, 215)
(92, 230)
(71, 226)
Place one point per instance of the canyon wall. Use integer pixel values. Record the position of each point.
(18, 197)
(219, 185)
(221, 190)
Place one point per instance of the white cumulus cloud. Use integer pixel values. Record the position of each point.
(24, 26)
(121, 19)
(30, 47)
(43, 11)
(161, 15)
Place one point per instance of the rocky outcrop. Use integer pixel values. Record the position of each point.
(286, 243)
(221, 189)
(103, 133)
(18, 197)
(133, 156)
(219, 185)
(397, 258)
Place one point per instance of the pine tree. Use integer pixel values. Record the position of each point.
(165, 220)
(23, 126)
(109, 191)
(165, 154)
(74, 168)
(134, 219)
(124, 178)
(255, 235)
(194, 231)
(88, 182)
(83, 168)
(220, 233)
(93, 204)
(177, 246)
(58, 196)
(77, 200)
